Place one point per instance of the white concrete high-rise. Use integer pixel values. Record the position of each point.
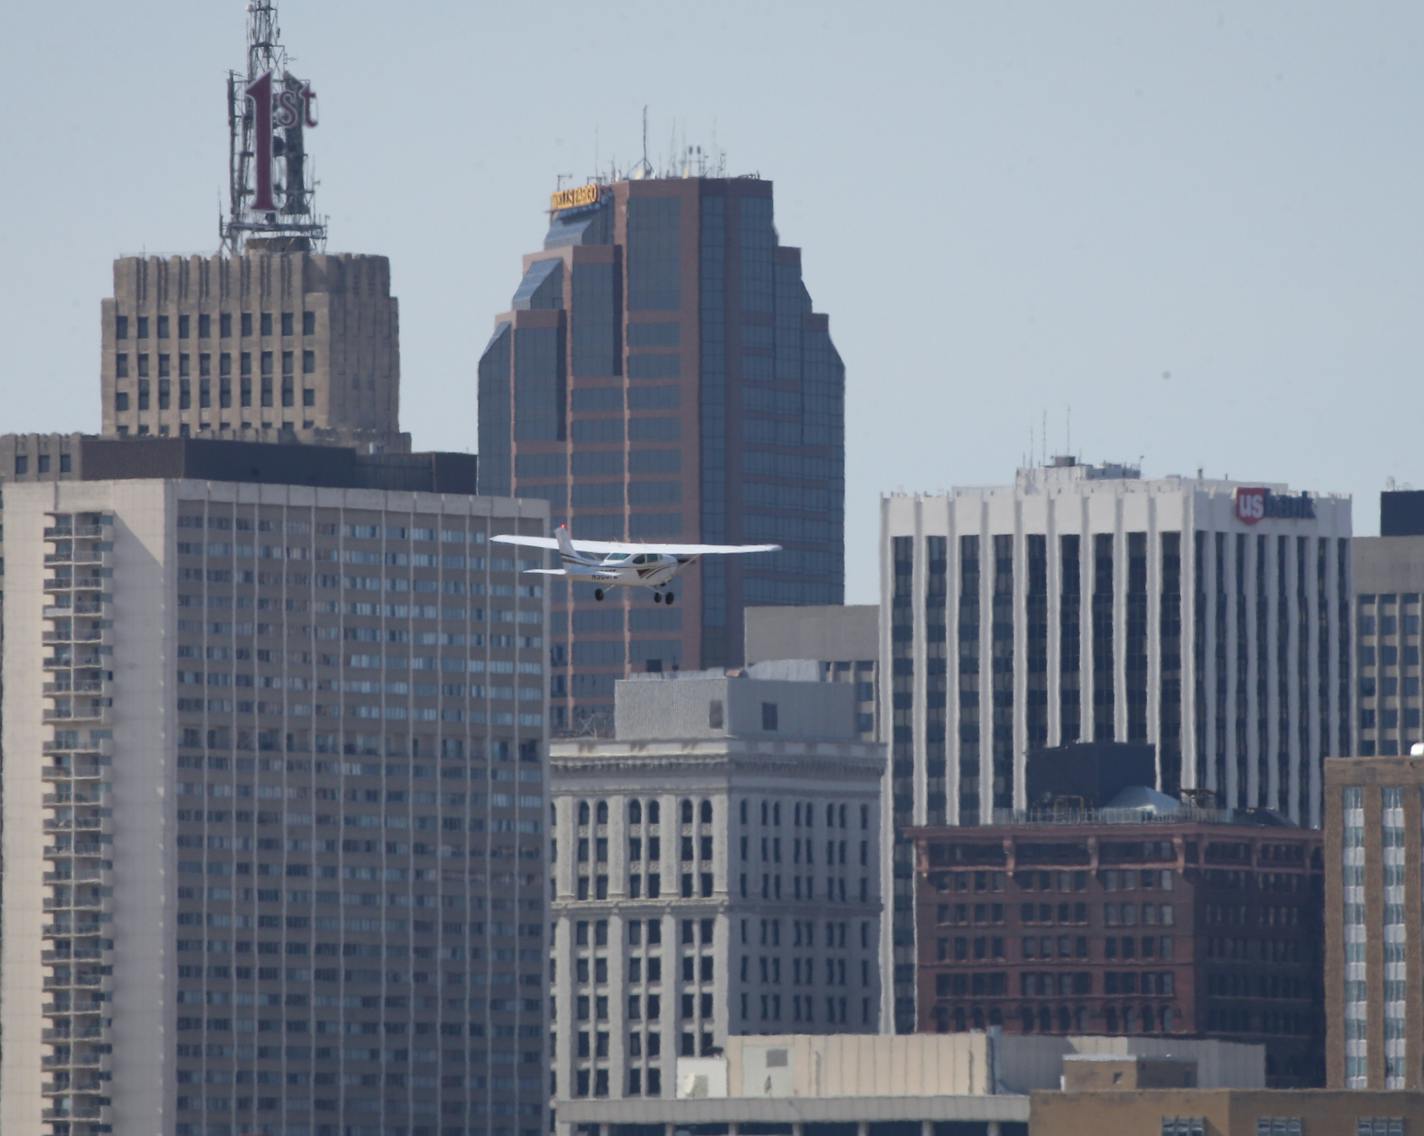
(1208, 618)
(716, 873)
(273, 811)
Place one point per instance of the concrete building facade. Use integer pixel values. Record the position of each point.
(661, 376)
(1210, 619)
(273, 812)
(1191, 924)
(843, 640)
(966, 1084)
(264, 345)
(1389, 602)
(715, 874)
(1374, 923)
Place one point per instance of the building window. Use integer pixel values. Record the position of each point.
(714, 714)
(121, 327)
(224, 325)
(1183, 1126)
(287, 321)
(1278, 1126)
(1379, 1126)
(64, 464)
(308, 323)
(205, 326)
(266, 323)
(162, 327)
(183, 326)
(143, 327)
(22, 464)
(768, 715)
(308, 362)
(246, 323)
(121, 366)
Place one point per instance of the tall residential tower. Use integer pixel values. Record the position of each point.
(661, 376)
(273, 799)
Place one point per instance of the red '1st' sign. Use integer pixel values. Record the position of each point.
(273, 111)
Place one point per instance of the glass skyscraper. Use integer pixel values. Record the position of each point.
(662, 377)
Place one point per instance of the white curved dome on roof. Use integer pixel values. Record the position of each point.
(1145, 799)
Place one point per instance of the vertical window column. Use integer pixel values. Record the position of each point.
(1353, 913)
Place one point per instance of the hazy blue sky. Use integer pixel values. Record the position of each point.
(1197, 224)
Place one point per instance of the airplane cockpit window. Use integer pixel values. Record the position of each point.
(619, 556)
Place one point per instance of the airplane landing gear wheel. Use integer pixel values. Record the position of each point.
(657, 597)
(668, 598)
(598, 594)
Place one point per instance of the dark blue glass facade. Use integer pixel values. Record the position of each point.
(661, 376)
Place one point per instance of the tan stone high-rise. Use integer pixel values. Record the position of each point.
(264, 345)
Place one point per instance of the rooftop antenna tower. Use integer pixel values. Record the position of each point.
(644, 168)
(269, 110)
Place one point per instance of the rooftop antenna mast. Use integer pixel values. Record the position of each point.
(270, 187)
(644, 169)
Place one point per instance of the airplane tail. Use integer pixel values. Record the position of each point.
(566, 545)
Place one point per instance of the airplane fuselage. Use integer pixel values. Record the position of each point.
(628, 570)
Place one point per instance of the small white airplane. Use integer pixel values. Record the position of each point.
(611, 564)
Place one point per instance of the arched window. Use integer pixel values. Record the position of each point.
(583, 812)
(706, 811)
(653, 812)
(635, 812)
(686, 811)
(601, 812)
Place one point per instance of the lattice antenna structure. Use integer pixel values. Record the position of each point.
(269, 111)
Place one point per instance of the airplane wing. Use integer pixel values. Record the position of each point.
(606, 546)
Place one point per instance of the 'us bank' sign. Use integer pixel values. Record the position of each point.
(1258, 504)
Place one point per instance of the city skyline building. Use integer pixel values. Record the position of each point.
(1389, 603)
(661, 376)
(842, 640)
(1374, 956)
(274, 801)
(1143, 917)
(714, 874)
(273, 338)
(1209, 619)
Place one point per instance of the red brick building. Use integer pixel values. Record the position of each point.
(1208, 926)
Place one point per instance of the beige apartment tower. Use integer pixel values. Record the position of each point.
(273, 810)
(267, 344)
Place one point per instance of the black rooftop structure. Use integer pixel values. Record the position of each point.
(266, 463)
